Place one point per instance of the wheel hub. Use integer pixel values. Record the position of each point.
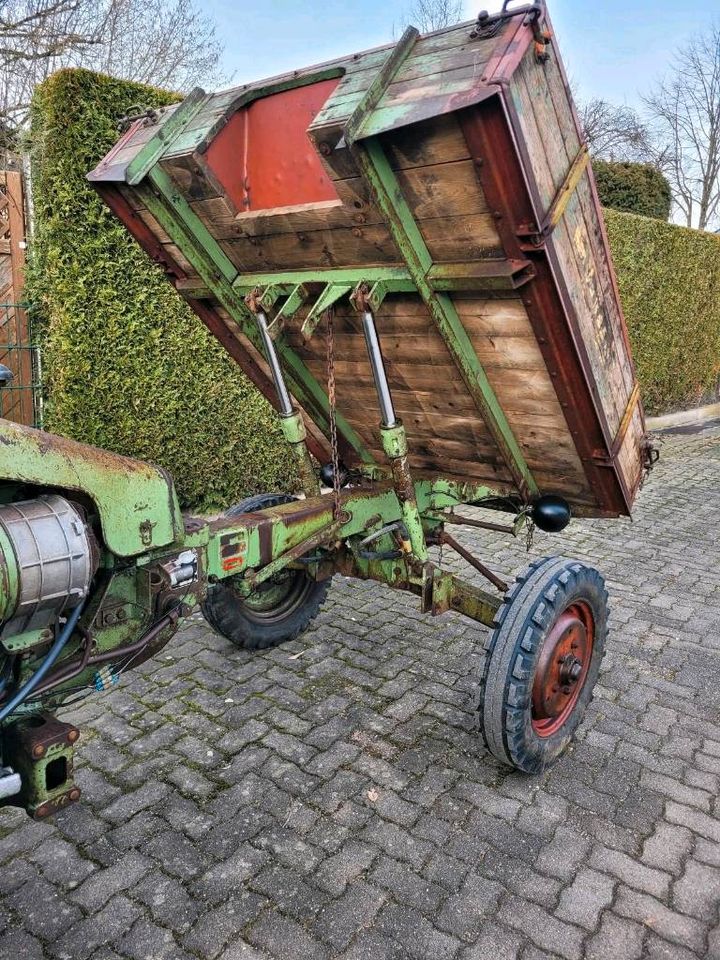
(562, 668)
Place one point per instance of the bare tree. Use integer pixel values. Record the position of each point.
(429, 15)
(684, 110)
(614, 132)
(168, 43)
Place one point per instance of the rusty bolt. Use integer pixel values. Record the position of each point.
(73, 735)
(357, 232)
(38, 750)
(325, 149)
(75, 794)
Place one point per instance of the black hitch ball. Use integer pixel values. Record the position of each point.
(327, 474)
(551, 513)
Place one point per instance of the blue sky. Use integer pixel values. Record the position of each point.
(612, 49)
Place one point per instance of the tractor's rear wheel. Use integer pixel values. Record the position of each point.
(279, 609)
(543, 661)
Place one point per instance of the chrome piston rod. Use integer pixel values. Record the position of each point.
(387, 410)
(285, 404)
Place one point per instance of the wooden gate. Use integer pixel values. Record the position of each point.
(18, 401)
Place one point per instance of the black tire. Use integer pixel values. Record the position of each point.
(527, 720)
(255, 625)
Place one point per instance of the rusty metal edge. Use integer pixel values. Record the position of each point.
(494, 149)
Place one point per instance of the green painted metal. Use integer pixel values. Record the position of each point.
(9, 574)
(297, 295)
(245, 282)
(441, 277)
(380, 83)
(394, 441)
(218, 273)
(293, 428)
(331, 293)
(387, 193)
(136, 502)
(167, 132)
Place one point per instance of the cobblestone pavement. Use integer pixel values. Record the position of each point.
(331, 798)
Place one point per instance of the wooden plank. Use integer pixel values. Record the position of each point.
(442, 190)
(435, 141)
(461, 239)
(342, 247)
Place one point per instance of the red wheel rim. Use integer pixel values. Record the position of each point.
(562, 668)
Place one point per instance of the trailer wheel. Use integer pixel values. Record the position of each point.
(543, 661)
(279, 609)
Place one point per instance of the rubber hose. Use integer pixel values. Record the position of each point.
(54, 652)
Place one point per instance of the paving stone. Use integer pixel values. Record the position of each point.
(280, 937)
(667, 847)
(290, 892)
(176, 854)
(416, 935)
(168, 901)
(406, 886)
(463, 912)
(542, 929)
(211, 932)
(106, 883)
(635, 874)
(221, 880)
(128, 804)
(43, 911)
(494, 943)
(346, 866)
(564, 854)
(617, 938)
(18, 945)
(86, 936)
(342, 919)
(147, 941)
(697, 892)
(656, 916)
(585, 899)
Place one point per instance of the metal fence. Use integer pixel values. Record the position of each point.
(21, 400)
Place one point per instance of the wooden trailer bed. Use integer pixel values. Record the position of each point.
(448, 173)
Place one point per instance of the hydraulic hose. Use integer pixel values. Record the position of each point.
(54, 652)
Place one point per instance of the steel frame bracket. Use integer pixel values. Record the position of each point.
(331, 293)
(370, 296)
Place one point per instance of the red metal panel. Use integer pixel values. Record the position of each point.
(263, 157)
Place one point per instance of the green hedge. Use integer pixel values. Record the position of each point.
(669, 280)
(633, 188)
(127, 365)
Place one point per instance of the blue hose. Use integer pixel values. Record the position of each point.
(54, 652)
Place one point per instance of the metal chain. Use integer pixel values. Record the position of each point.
(330, 343)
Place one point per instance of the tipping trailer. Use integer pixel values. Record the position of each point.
(404, 251)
